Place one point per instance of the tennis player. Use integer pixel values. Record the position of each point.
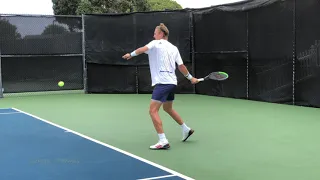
(163, 57)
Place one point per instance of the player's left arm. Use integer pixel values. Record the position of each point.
(139, 51)
(136, 52)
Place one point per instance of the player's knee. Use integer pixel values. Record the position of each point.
(167, 109)
(152, 111)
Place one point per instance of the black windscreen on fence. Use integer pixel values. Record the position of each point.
(221, 45)
(34, 74)
(111, 78)
(144, 80)
(271, 43)
(109, 37)
(235, 64)
(39, 51)
(269, 48)
(43, 35)
(216, 30)
(307, 65)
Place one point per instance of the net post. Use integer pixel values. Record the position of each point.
(84, 56)
(1, 88)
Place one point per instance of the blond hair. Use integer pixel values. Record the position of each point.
(164, 29)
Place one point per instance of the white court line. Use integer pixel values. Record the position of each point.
(158, 177)
(11, 113)
(109, 146)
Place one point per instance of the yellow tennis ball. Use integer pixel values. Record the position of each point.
(61, 83)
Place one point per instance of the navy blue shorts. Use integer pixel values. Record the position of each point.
(163, 92)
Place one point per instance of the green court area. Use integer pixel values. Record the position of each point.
(234, 139)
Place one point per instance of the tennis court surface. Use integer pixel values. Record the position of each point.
(234, 139)
(34, 148)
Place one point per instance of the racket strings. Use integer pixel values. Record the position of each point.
(219, 76)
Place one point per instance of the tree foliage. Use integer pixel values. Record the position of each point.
(78, 7)
(161, 5)
(65, 7)
(86, 6)
(8, 31)
(54, 29)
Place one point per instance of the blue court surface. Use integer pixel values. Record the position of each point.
(33, 148)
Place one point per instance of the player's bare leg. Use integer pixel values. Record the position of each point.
(154, 114)
(167, 107)
(186, 131)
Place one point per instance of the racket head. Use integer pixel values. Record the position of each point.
(218, 76)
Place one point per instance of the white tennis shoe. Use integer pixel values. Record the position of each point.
(161, 145)
(187, 134)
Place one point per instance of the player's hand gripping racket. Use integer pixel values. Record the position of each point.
(218, 76)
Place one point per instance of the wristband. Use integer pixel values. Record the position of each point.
(189, 76)
(133, 54)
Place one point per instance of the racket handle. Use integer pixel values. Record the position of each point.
(201, 79)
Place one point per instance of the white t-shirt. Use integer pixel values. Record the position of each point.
(163, 57)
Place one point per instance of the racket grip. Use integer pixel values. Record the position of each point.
(201, 79)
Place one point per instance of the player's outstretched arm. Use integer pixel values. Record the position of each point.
(135, 52)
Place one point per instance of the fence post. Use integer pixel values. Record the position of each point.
(247, 55)
(84, 56)
(1, 87)
(134, 19)
(318, 52)
(294, 53)
(191, 31)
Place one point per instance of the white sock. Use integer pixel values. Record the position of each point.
(185, 127)
(162, 137)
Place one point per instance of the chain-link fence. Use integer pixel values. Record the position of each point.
(39, 51)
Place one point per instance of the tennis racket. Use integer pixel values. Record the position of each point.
(218, 76)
